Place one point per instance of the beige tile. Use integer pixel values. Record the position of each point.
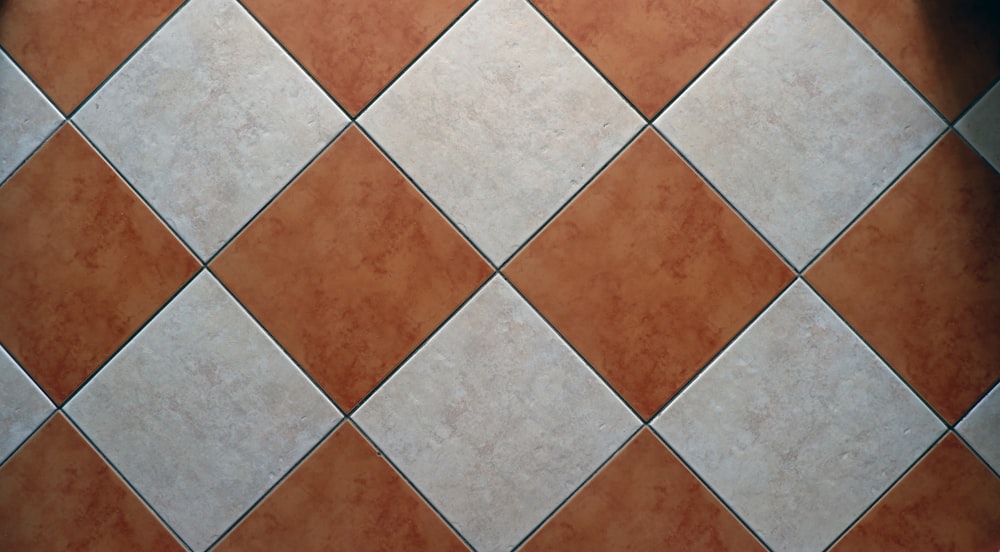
(23, 406)
(26, 117)
(981, 126)
(981, 428)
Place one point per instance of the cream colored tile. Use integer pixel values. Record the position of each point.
(981, 428)
(23, 406)
(981, 126)
(26, 117)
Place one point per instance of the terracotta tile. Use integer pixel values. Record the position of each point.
(355, 48)
(648, 273)
(949, 50)
(919, 277)
(57, 494)
(69, 48)
(351, 268)
(343, 497)
(644, 499)
(651, 50)
(85, 263)
(949, 501)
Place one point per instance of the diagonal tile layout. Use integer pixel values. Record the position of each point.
(27, 116)
(23, 406)
(979, 428)
(981, 126)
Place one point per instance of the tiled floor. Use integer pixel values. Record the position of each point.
(499, 274)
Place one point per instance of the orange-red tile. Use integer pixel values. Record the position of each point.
(919, 277)
(351, 268)
(652, 49)
(355, 48)
(343, 497)
(84, 263)
(57, 493)
(949, 501)
(644, 499)
(69, 48)
(949, 50)
(648, 273)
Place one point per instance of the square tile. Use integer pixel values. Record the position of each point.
(798, 425)
(981, 126)
(500, 122)
(648, 273)
(209, 120)
(202, 412)
(495, 419)
(981, 428)
(28, 118)
(84, 261)
(798, 139)
(23, 406)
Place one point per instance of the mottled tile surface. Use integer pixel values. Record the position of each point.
(26, 117)
(981, 126)
(798, 425)
(648, 273)
(23, 406)
(343, 497)
(84, 263)
(202, 412)
(800, 141)
(981, 428)
(500, 122)
(495, 419)
(209, 120)
(643, 499)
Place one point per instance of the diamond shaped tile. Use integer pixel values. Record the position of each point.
(648, 273)
(57, 493)
(343, 497)
(798, 425)
(979, 428)
(651, 50)
(70, 48)
(355, 48)
(27, 116)
(800, 125)
(209, 120)
(500, 122)
(202, 412)
(981, 126)
(351, 268)
(948, 50)
(84, 263)
(919, 277)
(643, 499)
(949, 501)
(495, 419)
(23, 406)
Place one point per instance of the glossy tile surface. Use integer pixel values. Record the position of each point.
(343, 497)
(500, 122)
(495, 419)
(351, 268)
(798, 140)
(85, 263)
(981, 428)
(928, 256)
(28, 118)
(648, 273)
(202, 412)
(209, 120)
(981, 126)
(23, 406)
(798, 425)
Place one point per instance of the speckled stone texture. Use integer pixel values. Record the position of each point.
(981, 428)
(27, 117)
(209, 120)
(500, 122)
(23, 406)
(798, 140)
(981, 126)
(495, 419)
(202, 412)
(798, 425)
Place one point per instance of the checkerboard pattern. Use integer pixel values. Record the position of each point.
(498, 275)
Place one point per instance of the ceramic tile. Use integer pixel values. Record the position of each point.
(948, 50)
(919, 277)
(798, 425)
(500, 122)
(56, 493)
(980, 428)
(949, 501)
(202, 412)
(800, 141)
(209, 120)
(495, 419)
(85, 263)
(644, 499)
(648, 273)
(27, 116)
(651, 50)
(355, 48)
(343, 497)
(70, 48)
(351, 268)
(23, 406)
(981, 126)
